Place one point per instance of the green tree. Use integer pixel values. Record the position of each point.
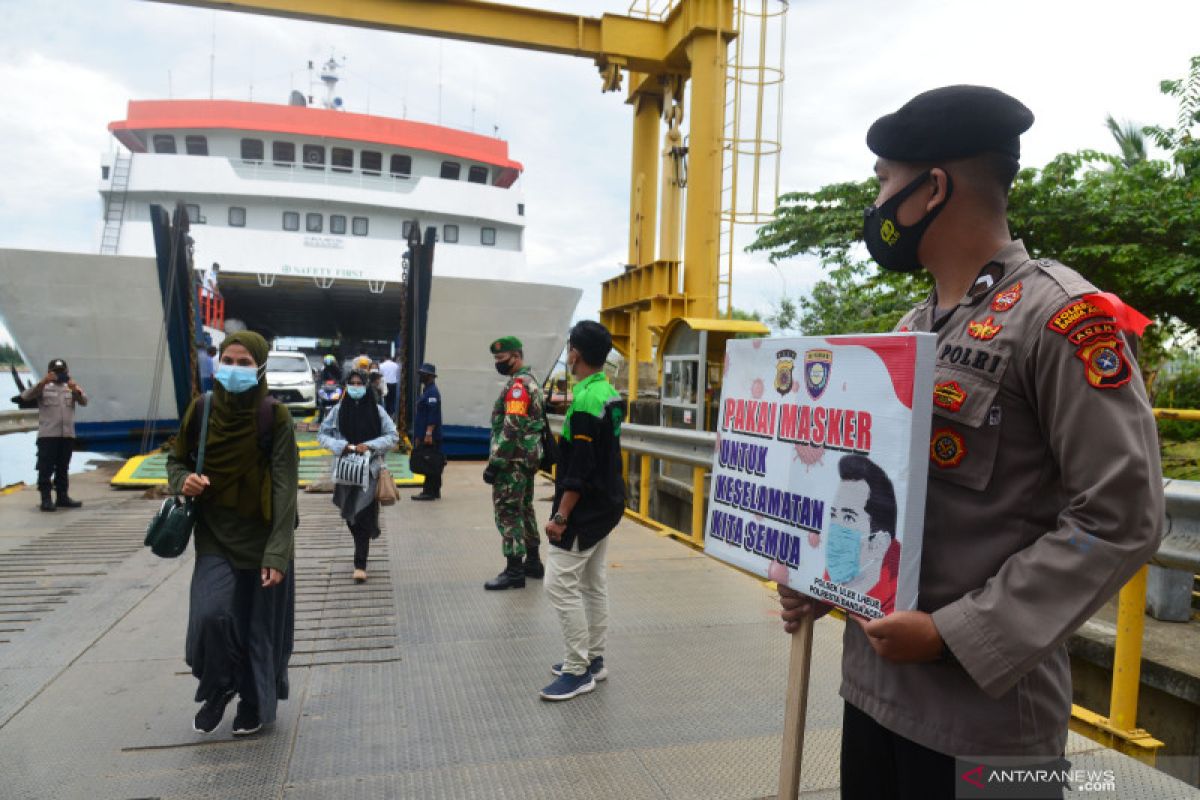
(1129, 138)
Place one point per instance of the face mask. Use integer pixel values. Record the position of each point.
(892, 245)
(356, 392)
(841, 553)
(237, 379)
(504, 367)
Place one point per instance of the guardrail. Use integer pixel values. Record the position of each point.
(18, 421)
(1179, 553)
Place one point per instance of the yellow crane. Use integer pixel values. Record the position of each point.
(659, 49)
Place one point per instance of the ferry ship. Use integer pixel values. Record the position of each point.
(301, 214)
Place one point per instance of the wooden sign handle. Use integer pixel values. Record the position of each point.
(795, 710)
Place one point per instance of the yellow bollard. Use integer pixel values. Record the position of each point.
(644, 487)
(698, 505)
(1127, 655)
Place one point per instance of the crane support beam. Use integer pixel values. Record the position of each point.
(644, 45)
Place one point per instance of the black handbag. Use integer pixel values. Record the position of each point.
(426, 460)
(549, 445)
(169, 532)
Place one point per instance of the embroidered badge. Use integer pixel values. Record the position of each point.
(1092, 330)
(949, 395)
(517, 401)
(986, 280)
(817, 366)
(1105, 365)
(984, 330)
(946, 448)
(1072, 314)
(785, 362)
(1007, 299)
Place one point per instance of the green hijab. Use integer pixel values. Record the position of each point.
(233, 461)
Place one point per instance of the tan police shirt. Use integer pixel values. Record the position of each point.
(56, 409)
(1044, 497)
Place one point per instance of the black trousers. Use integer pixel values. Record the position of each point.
(364, 528)
(391, 403)
(880, 765)
(239, 634)
(54, 463)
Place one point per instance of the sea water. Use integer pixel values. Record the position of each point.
(18, 451)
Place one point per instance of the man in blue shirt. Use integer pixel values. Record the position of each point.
(427, 432)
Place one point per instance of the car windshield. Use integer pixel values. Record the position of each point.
(287, 364)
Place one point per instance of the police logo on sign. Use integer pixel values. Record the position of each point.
(784, 364)
(817, 366)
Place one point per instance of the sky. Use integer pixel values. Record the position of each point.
(68, 68)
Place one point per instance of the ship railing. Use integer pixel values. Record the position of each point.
(322, 174)
(1178, 557)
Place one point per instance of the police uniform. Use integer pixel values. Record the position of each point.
(516, 448)
(56, 435)
(1045, 488)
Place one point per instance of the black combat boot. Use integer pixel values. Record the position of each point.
(64, 501)
(513, 576)
(534, 568)
(47, 503)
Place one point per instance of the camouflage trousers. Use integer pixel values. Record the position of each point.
(512, 497)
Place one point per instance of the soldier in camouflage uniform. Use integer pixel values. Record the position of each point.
(517, 423)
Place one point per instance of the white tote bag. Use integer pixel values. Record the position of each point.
(353, 469)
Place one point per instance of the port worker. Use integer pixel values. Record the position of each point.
(516, 447)
(589, 501)
(57, 395)
(1045, 488)
(427, 431)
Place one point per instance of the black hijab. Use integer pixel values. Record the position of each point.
(358, 420)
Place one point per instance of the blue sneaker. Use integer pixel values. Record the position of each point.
(597, 668)
(566, 686)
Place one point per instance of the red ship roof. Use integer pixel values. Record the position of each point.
(162, 115)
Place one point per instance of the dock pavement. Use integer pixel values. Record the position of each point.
(418, 684)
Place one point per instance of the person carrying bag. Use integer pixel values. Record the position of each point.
(171, 529)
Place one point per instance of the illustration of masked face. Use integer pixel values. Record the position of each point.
(842, 553)
(847, 531)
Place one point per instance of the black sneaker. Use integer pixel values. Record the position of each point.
(246, 722)
(210, 714)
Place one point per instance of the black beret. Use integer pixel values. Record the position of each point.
(592, 340)
(951, 122)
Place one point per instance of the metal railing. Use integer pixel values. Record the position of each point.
(1180, 550)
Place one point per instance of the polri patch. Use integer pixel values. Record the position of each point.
(1092, 330)
(1007, 299)
(1105, 365)
(947, 448)
(1072, 314)
(985, 330)
(949, 395)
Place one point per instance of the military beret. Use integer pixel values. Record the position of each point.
(592, 340)
(951, 122)
(505, 344)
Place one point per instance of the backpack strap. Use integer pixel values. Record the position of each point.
(266, 426)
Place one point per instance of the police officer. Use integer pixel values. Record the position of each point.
(427, 431)
(1045, 489)
(517, 423)
(57, 396)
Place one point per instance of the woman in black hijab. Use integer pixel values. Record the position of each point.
(358, 424)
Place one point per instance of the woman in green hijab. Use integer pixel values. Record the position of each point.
(242, 605)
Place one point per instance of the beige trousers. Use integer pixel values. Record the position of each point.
(577, 584)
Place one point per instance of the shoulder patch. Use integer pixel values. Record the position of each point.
(516, 399)
(1104, 362)
(1073, 313)
(1091, 330)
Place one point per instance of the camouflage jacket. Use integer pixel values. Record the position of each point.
(517, 422)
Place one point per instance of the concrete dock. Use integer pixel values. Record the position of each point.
(418, 684)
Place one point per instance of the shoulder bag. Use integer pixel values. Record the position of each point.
(169, 532)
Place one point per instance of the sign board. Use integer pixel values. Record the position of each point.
(822, 457)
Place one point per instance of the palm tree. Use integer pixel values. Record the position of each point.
(1130, 139)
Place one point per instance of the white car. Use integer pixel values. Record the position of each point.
(290, 379)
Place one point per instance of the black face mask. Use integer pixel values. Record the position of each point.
(892, 245)
(504, 367)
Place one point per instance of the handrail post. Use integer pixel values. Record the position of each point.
(1127, 654)
(644, 486)
(698, 505)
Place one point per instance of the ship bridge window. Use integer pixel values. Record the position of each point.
(401, 166)
(337, 223)
(450, 170)
(487, 236)
(237, 217)
(477, 175)
(450, 234)
(341, 159)
(193, 214)
(520, 209)
(283, 153)
(313, 223)
(291, 220)
(196, 145)
(164, 143)
(252, 150)
(370, 162)
(314, 156)
(359, 226)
